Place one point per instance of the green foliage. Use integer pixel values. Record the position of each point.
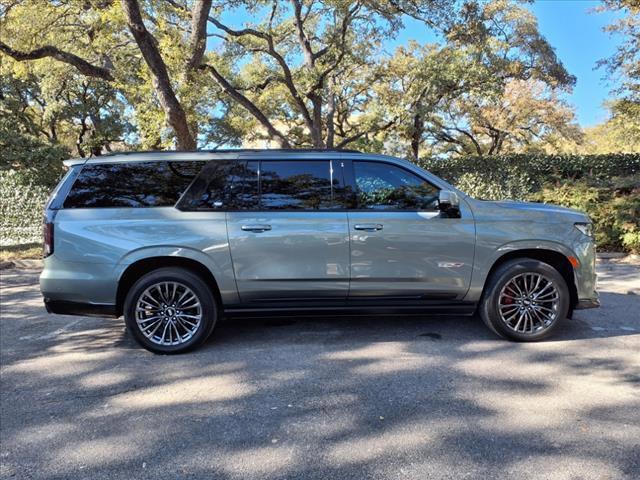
(613, 205)
(525, 173)
(496, 185)
(623, 67)
(31, 160)
(21, 209)
(29, 169)
(606, 187)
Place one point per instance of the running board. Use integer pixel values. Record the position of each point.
(458, 308)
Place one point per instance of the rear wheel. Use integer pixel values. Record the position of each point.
(525, 300)
(170, 310)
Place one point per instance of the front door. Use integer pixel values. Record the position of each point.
(401, 247)
(291, 244)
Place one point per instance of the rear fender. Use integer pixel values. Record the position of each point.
(223, 274)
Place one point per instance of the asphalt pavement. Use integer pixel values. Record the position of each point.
(379, 397)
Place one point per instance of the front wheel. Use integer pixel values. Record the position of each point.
(170, 310)
(525, 300)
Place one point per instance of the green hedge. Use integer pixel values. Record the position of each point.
(29, 169)
(536, 168)
(613, 205)
(606, 187)
(21, 209)
(36, 162)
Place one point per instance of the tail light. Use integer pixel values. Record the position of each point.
(47, 230)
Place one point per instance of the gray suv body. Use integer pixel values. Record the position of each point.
(174, 240)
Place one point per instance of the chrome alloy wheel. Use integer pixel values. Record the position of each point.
(168, 313)
(529, 303)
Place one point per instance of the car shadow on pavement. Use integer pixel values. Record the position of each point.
(319, 397)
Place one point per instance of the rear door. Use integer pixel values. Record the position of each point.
(289, 240)
(401, 247)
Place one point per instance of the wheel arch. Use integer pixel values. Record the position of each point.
(556, 259)
(143, 266)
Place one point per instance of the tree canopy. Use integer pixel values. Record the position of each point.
(623, 71)
(97, 75)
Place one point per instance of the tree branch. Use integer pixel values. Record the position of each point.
(356, 136)
(344, 27)
(248, 104)
(470, 137)
(305, 44)
(286, 71)
(80, 64)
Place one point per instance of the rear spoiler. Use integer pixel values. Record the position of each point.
(74, 161)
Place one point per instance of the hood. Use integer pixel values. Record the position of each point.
(535, 210)
(533, 206)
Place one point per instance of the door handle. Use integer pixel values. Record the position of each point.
(256, 228)
(369, 227)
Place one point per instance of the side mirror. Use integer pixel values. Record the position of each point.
(449, 204)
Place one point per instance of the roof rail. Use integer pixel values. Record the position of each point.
(235, 150)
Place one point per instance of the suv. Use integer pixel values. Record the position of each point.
(174, 240)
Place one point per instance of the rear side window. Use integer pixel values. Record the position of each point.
(224, 185)
(266, 185)
(135, 184)
(303, 185)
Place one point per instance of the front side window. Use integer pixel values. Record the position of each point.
(135, 184)
(382, 186)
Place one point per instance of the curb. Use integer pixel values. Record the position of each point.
(618, 259)
(610, 255)
(26, 264)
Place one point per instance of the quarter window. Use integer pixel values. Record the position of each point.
(135, 184)
(382, 186)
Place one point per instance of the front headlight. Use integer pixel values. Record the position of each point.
(585, 228)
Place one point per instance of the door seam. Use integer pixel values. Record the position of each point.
(233, 265)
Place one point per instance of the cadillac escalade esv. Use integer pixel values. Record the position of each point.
(174, 240)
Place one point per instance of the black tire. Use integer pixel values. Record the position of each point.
(489, 308)
(207, 310)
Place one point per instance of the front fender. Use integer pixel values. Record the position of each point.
(487, 257)
(530, 245)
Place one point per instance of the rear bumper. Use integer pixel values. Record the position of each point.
(78, 282)
(63, 307)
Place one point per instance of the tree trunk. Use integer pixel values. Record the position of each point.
(174, 113)
(331, 111)
(416, 136)
(199, 16)
(316, 124)
(80, 140)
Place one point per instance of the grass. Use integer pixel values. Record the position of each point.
(21, 252)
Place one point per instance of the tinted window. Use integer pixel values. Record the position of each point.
(303, 185)
(135, 184)
(225, 185)
(383, 186)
